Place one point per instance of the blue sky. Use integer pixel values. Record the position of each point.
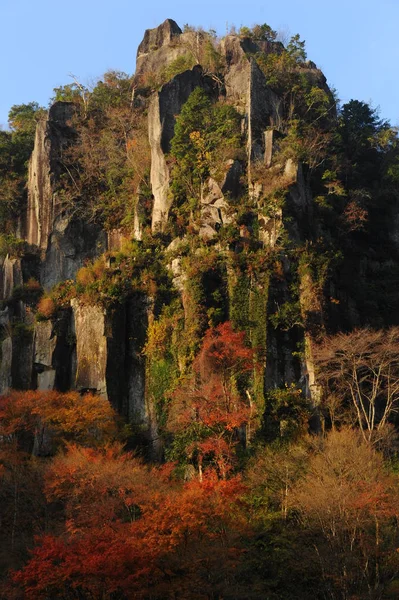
(355, 42)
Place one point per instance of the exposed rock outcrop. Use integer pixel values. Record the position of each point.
(246, 88)
(64, 240)
(71, 243)
(109, 358)
(44, 346)
(5, 352)
(22, 331)
(10, 276)
(215, 209)
(164, 106)
(44, 206)
(158, 48)
(91, 348)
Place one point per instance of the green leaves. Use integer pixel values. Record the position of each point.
(23, 118)
(15, 149)
(206, 135)
(296, 48)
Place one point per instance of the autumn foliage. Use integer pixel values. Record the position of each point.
(130, 529)
(211, 406)
(26, 416)
(219, 521)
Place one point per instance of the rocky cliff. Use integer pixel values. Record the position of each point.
(245, 252)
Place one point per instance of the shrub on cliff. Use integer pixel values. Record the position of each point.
(205, 136)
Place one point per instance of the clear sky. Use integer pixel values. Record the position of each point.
(355, 42)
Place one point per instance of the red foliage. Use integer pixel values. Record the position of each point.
(223, 352)
(212, 403)
(164, 547)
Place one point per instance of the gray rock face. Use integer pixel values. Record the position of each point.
(22, 350)
(137, 315)
(91, 348)
(247, 89)
(5, 352)
(164, 106)
(116, 238)
(215, 210)
(270, 228)
(10, 276)
(231, 185)
(271, 137)
(44, 171)
(109, 358)
(44, 344)
(160, 36)
(264, 110)
(5, 365)
(64, 241)
(71, 243)
(238, 73)
(159, 47)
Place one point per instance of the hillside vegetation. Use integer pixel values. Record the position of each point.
(199, 332)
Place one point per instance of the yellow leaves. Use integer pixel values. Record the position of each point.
(159, 334)
(85, 276)
(195, 137)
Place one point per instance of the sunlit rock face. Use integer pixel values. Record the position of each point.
(63, 240)
(88, 347)
(164, 106)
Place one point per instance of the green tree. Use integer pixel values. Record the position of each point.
(114, 89)
(16, 147)
(23, 118)
(363, 141)
(264, 32)
(206, 135)
(296, 48)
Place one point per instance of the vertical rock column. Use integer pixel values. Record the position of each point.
(5, 352)
(91, 348)
(44, 346)
(164, 106)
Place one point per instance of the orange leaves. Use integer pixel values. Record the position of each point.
(98, 486)
(355, 216)
(46, 307)
(120, 527)
(223, 350)
(103, 552)
(210, 407)
(348, 503)
(87, 419)
(17, 412)
(99, 564)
